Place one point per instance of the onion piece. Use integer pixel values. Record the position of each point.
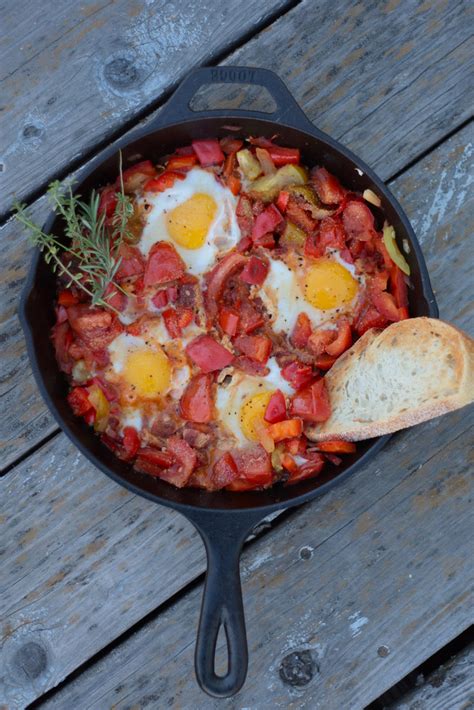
(393, 250)
(264, 158)
(370, 196)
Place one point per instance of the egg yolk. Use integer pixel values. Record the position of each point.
(329, 285)
(148, 372)
(188, 224)
(252, 415)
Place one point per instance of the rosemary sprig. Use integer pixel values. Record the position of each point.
(92, 245)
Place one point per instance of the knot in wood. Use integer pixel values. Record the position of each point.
(298, 668)
(31, 659)
(31, 131)
(121, 72)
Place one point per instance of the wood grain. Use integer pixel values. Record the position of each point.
(342, 600)
(75, 73)
(47, 543)
(312, 34)
(449, 687)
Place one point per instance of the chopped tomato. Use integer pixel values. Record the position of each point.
(302, 331)
(153, 461)
(185, 458)
(324, 361)
(134, 176)
(172, 293)
(224, 471)
(197, 402)
(181, 162)
(251, 367)
(229, 321)
(218, 277)
(67, 298)
(358, 220)
(312, 247)
(185, 317)
(320, 339)
(311, 403)
(164, 264)
(331, 234)
(369, 318)
(250, 318)
(115, 298)
(254, 465)
(311, 468)
(255, 271)
(343, 340)
(160, 299)
(283, 156)
(398, 287)
(96, 327)
(266, 222)
(298, 374)
(256, 347)
(327, 186)
(297, 445)
(266, 241)
(78, 399)
(244, 244)
(171, 322)
(131, 443)
(131, 262)
(245, 216)
(287, 429)
(385, 304)
(185, 150)
(296, 213)
(209, 152)
(208, 354)
(337, 447)
(276, 408)
(163, 182)
(282, 200)
(229, 144)
(108, 201)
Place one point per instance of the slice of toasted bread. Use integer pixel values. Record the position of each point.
(412, 371)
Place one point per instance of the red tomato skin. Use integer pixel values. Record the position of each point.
(164, 264)
(131, 443)
(255, 271)
(196, 403)
(209, 152)
(298, 374)
(229, 321)
(311, 403)
(256, 347)
(276, 408)
(224, 471)
(208, 354)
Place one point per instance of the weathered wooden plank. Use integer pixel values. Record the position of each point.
(74, 73)
(449, 687)
(311, 35)
(41, 492)
(332, 622)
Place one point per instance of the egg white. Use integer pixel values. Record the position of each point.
(223, 234)
(231, 397)
(283, 296)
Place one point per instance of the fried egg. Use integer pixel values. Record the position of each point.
(242, 403)
(324, 289)
(196, 215)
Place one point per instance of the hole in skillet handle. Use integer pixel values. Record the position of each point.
(287, 110)
(223, 534)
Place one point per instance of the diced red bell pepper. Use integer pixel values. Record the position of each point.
(298, 374)
(108, 201)
(311, 403)
(282, 200)
(209, 152)
(234, 184)
(287, 429)
(229, 165)
(266, 222)
(337, 447)
(343, 340)
(164, 264)
(254, 465)
(153, 461)
(224, 471)
(302, 331)
(227, 267)
(160, 299)
(250, 318)
(327, 186)
(229, 321)
(276, 408)
(284, 156)
(78, 399)
(208, 354)
(197, 402)
(181, 162)
(185, 317)
(256, 347)
(67, 298)
(255, 271)
(398, 287)
(131, 443)
(385, 304)
(163, 182)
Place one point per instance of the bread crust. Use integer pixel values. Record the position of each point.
(415, 335)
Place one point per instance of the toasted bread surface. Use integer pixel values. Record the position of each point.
(412, 371)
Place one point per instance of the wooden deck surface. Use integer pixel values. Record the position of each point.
(99, 589)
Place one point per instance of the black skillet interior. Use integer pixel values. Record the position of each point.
(177, 125)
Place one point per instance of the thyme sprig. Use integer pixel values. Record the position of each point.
(92, 244)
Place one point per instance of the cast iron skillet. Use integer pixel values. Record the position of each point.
(223, 519)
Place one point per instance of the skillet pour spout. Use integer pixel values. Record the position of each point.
(223, 519)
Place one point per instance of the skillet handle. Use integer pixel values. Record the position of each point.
(223, 534)
(287, 110)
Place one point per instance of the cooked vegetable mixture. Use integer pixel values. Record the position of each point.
(202, 300)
